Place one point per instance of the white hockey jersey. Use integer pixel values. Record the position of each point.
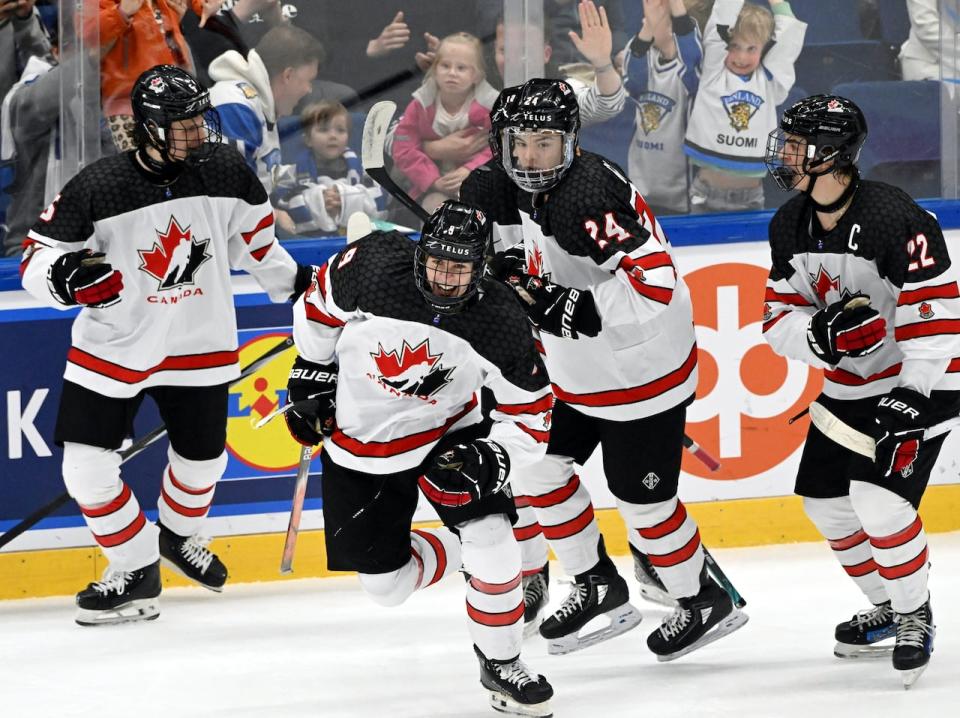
(888, 248)
(409, 376)
(595, 232)
(175, 246)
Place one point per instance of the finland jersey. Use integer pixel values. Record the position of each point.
(246, 127)
(175, 246)
(888, 248)
(594, 231)
(409, 376)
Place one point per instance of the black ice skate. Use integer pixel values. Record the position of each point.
(514, 689)
(190, 557)
(536, 596)
(696, 621)
(911, 653)
(592, 595)
(857, 638)
(651, 587)
(121, 597)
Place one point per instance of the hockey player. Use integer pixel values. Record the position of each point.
(144, 242)
(862, 286)
(595, 275)
(416, 348)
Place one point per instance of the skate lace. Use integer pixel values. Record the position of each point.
(573, 602)
(675, 623)
(113, 581)
(533, 589)
(515, 673)
(912, 628)
(194, 549)
(873, 616)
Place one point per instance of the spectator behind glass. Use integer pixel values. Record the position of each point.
(135, 35)
(920, 54)
(662, 67)
(454, 97)
(21, 37)
(330, 185)
(251, 93)
(747, 71)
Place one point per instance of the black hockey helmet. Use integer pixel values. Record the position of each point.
(537, 105)
(833, 130)
(165, 94)
(457, 233)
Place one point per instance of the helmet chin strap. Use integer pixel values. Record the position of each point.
(166, 169)
(841, 200)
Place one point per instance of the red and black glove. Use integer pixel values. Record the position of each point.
(850, 327)
(466, 472)
(312, 389)
(902, 416)
(561, 311)
(84, 278)
(509, 263)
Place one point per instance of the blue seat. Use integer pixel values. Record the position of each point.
(903, 126)
(894, 21)
(829, 20)
(821, 66)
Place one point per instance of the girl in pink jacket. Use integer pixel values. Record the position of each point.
(442, 135)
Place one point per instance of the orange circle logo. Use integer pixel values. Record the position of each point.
(746, 392)
(271, 447)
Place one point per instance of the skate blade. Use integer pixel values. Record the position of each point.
(622, 619)
(176, 569)
(911, 675)
(142, 609)
(654, 594)
(503, 703)
(849, 652)
(733, 622)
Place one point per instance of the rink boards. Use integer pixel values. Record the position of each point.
(745, 397)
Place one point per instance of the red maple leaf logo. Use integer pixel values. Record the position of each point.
(824, 283)
(156, 260)
(535, 263)
(391, 365)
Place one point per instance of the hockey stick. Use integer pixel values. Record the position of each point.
(713, 568)
(375, 130)
(136, 448)
(842, 433)
(296, 509)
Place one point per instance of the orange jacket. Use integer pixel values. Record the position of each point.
(128, 47)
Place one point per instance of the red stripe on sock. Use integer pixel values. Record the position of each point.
(904, 569)
(676, 557)
(507, 618)
(861, 569)
(525, 533)
(494, 589)
(664, 528)
(115, 505)
(123, 535)
(190, 511)
(419, 561)
(183, 487)
(437, 547)
(854, 539)
(899, 538)
(571, 527)
(557, 496)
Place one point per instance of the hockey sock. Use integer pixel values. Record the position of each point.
(534, 551)
(494, 593)
(671, 540)
(898, 541)
(187, 491)
(434, 554)
(836, 520)
(112, 512)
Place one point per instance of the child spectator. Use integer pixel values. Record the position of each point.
(454, 96)
(662, 67)
(747, 71)
(329, 174)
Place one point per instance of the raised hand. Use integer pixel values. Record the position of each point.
(595, 42)
(392, 37)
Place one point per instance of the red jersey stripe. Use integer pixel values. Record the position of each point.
(842, 376)
(316, 315)
(940, 291)
(771, 323)
(259, 254)
(211, 360)
(797, 300)
(262, 224)
(542, 437)
(927, 329)
(544, 403)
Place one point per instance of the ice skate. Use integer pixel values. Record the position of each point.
(914, 644)
(857, 638)
(513, 688)
(591, 596)
(190, 557)
(651, 587)
(536, 596)
(121, 597)
(696, 622)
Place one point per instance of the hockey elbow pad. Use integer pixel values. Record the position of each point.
(561, 311)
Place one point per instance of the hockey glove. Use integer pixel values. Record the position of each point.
(302, 280)
(902, 416)
(466, 472)
(84, 278)
(312, 389)
(507, 264)
(849, 327)
(561, 311)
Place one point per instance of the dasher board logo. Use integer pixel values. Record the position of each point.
(740, 107)
(415, 371)
(653, 107)
(175, 257)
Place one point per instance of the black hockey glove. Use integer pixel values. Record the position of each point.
(312, 389)
(84, 278)
(850, 327)
(301, 282)
(466, 472)
(509, 263)
(561, 311)
(902, 416)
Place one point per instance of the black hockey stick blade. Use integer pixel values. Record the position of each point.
(374, 140)
(135, 448)
(714, 569)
